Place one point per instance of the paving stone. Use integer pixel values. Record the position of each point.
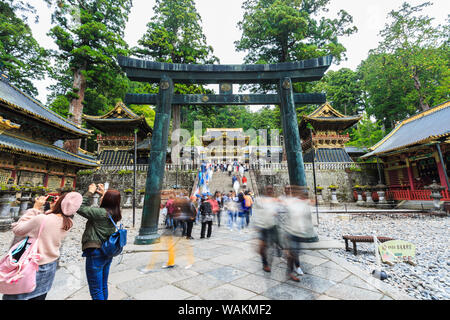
(346, 292)
(286, 291)
(312, 259)
(277, 274)
(228, 259)
(122, 276)
(324, 297)
(227, 273)
(354, 281)
(207, 254)
(255, 283)
(333, 265)
(330, 274)
(227, 292)
(248, 265)
(198, 284)
(113, 294)
(167, 292)
(139, 285)
(258, 297)
(314, 283)
(173, 275)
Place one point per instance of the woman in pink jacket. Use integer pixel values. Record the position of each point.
(58, 221)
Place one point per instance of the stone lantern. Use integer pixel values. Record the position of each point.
(25, 199)
(7, 197)
(381, 191)
(333, 189)
(359, 190)
(436, 196)
(369, 200)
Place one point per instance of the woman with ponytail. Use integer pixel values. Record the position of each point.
(57, 222)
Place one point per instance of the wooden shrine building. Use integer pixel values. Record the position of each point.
(118, 127)
(31, 142)
(326, 141)
(416, 152)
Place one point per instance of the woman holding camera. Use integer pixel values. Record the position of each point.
(98, 229)
(55, 224)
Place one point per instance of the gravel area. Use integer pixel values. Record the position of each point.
(430, 279)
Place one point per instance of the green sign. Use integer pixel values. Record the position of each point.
(397, 251)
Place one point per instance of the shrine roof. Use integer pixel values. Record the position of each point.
(327, 155)
(327, 118)
(120, 115)
(22, 103)
(14, 144)
(424, 127)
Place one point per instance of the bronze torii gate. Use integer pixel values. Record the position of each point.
(282, 74)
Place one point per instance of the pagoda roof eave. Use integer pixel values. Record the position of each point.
(20, 145)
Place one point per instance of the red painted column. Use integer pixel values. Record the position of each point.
(410, 175)
(46, 180)
(441, 174)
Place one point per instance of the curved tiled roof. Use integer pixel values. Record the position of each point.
(25, 146)
(19, 101)
(425, 126)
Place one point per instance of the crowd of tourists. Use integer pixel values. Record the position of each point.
(47, 228)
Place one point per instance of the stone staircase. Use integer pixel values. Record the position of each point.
(221, 181)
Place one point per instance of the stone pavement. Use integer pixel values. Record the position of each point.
(227, 267)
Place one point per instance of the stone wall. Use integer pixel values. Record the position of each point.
(121, 182)
(345, 180)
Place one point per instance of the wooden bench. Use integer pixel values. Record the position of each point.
(355, 239)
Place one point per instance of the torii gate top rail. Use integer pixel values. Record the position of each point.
(150, 71)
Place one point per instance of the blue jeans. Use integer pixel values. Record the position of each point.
(97, 272)
(242, 222)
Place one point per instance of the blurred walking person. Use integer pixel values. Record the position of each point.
(265, 220)
(298, 226)
(206, 217)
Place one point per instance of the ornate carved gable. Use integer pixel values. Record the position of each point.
(326, 111)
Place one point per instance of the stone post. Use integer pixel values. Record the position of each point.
(381, 191)
(436, 196)
(128, 200)
(359, 200)
(6, 198)
(369, 200)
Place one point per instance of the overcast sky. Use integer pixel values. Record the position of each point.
(220, 18)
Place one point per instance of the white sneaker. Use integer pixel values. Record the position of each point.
(299, 271)
(188, 266)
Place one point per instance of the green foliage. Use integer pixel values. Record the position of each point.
(23, 59)
(123, 172)
(343, 89)
(367, 133)
(288, 30)
(88, 40)
(128, 190)
(85, 172)
(174, 35)
(409, 71)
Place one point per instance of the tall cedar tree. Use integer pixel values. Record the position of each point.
(174, 35)
(21, 56)
(89, 35)
(275, 31)
(409, 70)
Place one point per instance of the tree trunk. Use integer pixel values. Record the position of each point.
(76, 108)
(424, 106)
